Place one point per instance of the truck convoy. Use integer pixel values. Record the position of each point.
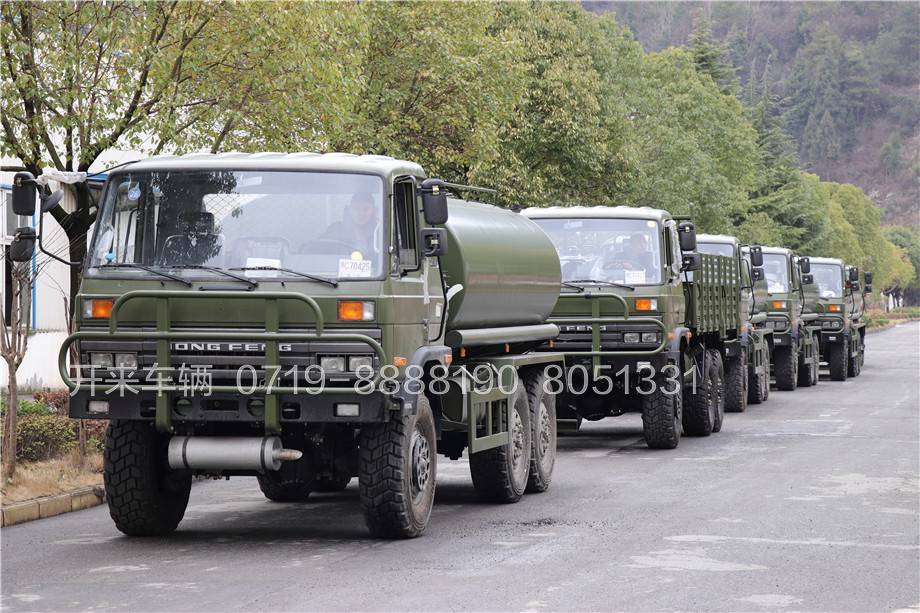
(646, 323)
(747, 373)
(840, 305)
(791, 315)
(309, 318)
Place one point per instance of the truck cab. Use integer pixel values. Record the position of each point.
(840, 307)
(789, 304)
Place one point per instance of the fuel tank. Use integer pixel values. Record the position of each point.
(500, 268)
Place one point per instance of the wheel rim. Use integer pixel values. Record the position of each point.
(545, 436)
(518, 442)
(421, 464)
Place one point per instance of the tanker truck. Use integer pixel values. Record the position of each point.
(637, 331)
(791, 305)
(840, 305)
(747, 368)
(305, 319)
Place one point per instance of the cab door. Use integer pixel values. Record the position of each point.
(417, 274)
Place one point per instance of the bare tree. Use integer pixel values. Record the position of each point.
(14, 341)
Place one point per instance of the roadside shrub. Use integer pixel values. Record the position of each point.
(29, 407)
(95, 433)
(42, 437)
(56, 400)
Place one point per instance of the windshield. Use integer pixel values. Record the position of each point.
(715, 249)
(613, 250)
(776, 273)
(328, 224)
(829, 279)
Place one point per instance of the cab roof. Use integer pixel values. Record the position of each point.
(836, 261)
(606, 212)
(778, 250)
(724, 239)
(381, 165)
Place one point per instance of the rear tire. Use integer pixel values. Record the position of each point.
(806, 374)
(787, 367)
(854, 366)
(500, 474)
(293, 482)
(699, 412)
(145, 496)
(662, 414)
(718, 373)
(544, 433)
(397, 473)
(837, 360)
(736, 383)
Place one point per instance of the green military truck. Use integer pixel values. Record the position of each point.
(791, 315)
(638, 333)
(305, 319)
(747, 371)
(840, 305)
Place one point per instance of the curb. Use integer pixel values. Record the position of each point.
(49, 506)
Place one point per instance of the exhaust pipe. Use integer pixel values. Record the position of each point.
(229, 453)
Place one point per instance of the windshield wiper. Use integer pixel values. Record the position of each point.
(147, 269)
(252, 284)
(578, 288)
(331, 282)
(596, 282)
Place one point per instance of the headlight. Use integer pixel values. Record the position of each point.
(649, 337)
(364, 362)
(101, 360)
(332, 364)
(631, 337)
(126, 360)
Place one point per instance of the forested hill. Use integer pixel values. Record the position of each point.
(846, 75)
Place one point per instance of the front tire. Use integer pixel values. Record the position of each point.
(397, 465)
(662, 412)
(759, 384)
(787, 367)
(736, 383)
(500, 474)
(145, 496)
(544, 435)
(854, 365)
(837, 361)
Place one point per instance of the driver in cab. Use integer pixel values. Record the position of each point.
(358, 228)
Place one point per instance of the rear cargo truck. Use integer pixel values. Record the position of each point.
(644, 320)
(840, 306)
(306, 319)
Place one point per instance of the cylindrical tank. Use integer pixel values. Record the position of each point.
(507, 266)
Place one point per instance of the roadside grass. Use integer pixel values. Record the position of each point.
(55, 476)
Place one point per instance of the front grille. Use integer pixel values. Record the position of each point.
(613, 337)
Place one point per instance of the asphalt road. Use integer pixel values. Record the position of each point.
(807, 502)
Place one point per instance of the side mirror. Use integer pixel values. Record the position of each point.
(867, 278)
(434, 201)
(25, 189)
(434, 242)
(805, 265)
(687, 233)
(854, 274)
(23, 246)
(808, 279)
(691, 261)
(756, 252)
(757, 273)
